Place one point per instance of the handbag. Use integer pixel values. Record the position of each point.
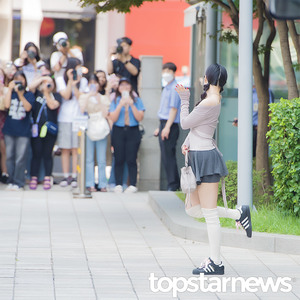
(187, 179)
(98, 127)
(52, 128)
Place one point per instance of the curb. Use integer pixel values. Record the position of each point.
(170, 209)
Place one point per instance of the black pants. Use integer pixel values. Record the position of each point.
(168, 155)
(42, 148)
(126, 142)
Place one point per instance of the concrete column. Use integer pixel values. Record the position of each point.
(149, 154)
(211, 42)
(245, 129)
(31, 20)
(5, 29)
(102, 45)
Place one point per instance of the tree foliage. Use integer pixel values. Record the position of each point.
(122, 6)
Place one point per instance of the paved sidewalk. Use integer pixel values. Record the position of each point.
(55, 247)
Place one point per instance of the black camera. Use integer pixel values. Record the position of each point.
(63, 43)
(49, 85)
(19, 85)
(74, 72)
(119, 48)
(31, 54)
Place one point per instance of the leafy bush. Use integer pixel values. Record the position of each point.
(284, 139)
(231, 187)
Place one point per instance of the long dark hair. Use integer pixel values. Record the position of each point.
(118, 94)
(216, 75)
(103, 86)
(27, 46)
(21, 73)
(72, 63)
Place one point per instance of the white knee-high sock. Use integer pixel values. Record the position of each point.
(196, 212)
(214, 233)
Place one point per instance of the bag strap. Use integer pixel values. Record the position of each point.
(40, 112)
(224, 193)
(186, 158)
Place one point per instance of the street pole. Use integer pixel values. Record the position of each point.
(245, 128)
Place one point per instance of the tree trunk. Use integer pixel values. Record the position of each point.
(287, 60)
(262, 155)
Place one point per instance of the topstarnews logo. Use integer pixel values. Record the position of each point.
(218, 284)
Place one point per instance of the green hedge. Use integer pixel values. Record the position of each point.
(260, 193)
(284, 139)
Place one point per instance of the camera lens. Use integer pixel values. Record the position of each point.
(31, 54)
(63, 42)
(20, 87)
(49, 85)
(119, 49)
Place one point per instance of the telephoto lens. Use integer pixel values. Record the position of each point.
(63, 42)
(119, 49)
(20, 87)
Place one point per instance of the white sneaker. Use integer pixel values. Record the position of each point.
(17, 188)
(131, 189)
(9, 187)
(118, 189)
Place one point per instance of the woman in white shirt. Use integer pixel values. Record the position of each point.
(70, 86)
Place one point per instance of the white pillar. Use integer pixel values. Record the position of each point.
(102, 46)
(31, 20)
(149, 153)
(245, 129)
(6, 18)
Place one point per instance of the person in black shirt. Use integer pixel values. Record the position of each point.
(45, 110)
(124, 64)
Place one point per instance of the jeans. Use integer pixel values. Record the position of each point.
(90, 162)
(16, 158)
(112, 179)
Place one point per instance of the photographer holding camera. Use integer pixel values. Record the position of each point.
(124, 64)
(29, 62)
(59, 58)
(17, 129)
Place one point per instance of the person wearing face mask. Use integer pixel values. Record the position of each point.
(123, 63)
(168, 131)
(44, 113)
(126, 111)
(70, 86)
(59, 58)
(17, 130)
(29, 62)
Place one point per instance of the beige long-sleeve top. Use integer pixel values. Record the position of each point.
(202, 122)
(93, 104)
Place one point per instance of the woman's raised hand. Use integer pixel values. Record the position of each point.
(184, 93)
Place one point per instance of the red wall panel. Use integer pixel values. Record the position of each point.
(156, 28)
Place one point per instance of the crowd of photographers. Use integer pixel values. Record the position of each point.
(41, 105)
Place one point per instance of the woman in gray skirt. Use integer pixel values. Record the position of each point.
(208, 165)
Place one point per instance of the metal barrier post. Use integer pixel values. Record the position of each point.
(81, 191)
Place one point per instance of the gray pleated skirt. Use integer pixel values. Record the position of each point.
(207, 165)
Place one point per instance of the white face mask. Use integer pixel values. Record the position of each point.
(167, 77)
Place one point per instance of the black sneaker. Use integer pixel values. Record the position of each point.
(209, 268)
(245, 219)
(4, 178)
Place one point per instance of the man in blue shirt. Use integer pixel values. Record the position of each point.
(168, 131)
